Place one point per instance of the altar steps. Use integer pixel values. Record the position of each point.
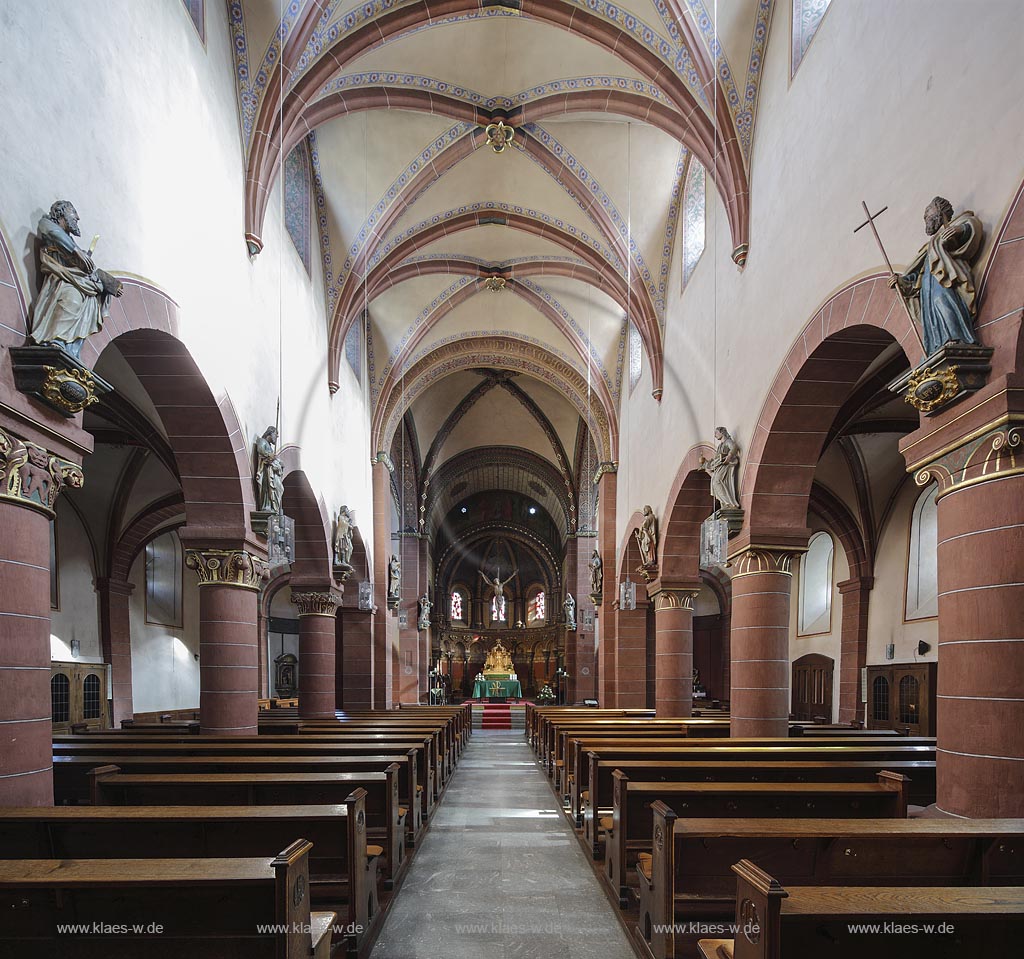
(499, 716)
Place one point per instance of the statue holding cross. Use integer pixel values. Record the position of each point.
(937, 289)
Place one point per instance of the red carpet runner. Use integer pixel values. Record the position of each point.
(497, 716)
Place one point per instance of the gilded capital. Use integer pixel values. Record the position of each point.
(32, 476)
(674, 598)
(992, 452)
(317, 604)
(763, 559)
(228, 567)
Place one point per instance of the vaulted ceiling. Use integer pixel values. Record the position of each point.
(577, 219)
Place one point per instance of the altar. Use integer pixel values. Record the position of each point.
(497, 689)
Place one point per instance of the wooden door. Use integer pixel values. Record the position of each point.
(78, 695)
(812, 687)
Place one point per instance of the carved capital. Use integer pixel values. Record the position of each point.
(993, 452)
(674, 598)
(605, 467)
(763, 559)
(32, 476)
(317, 604)
(228, 567)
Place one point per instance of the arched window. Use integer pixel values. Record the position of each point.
(923, 561)
(60, 698)
(694, 218)
(498, 610)
(807, 17)
(163, 581)
(636, 356)
(880, 697)
(298, 201)
(458, 608)
(536, 609)
(815, 611)
(91, 697)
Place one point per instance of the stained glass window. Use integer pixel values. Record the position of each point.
(694, 218)
(807, 17)
(635, 356)
(456, 605)
(536, 611)
(163, 581)
(354, 347)
(497, 610)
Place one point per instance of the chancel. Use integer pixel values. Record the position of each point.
(534, 478)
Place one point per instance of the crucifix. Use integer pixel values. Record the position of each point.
(870, 221)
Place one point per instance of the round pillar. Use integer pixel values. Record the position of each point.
(761, 587)
(317, 643)
(31, 478)
(980, 704)
(229, 584)
(673, 649)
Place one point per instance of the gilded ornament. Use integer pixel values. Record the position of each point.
(932, 387)
(227, 567)
(499, 136)
(32, 476)
(71, 390)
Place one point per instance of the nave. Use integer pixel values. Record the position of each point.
(519, 886)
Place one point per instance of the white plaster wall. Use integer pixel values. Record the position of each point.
(899, 101)
(119, 108)
(78, 616)
(165, 671)
(886, 623)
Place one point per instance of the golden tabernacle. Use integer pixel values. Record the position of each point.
(498, 664)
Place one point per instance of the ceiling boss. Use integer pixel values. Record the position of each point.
(499, 136)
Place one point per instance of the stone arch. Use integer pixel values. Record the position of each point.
(688, 504)
(210, 449)
(838, 344)
(1000, 321)
(311, 567)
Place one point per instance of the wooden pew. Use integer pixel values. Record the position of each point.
(629, 830)
(71, 781)
(343, 879)
(261, 746)
(111, 787)
(204, 908)
(598, 798)
(931, 922)
(168, 727)
(688, 876)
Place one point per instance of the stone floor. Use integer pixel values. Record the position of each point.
(500, 874)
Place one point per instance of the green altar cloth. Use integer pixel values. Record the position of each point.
(508, 688)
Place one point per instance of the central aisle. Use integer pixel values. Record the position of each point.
(500, 874)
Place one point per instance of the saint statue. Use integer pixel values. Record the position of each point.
(425, 607)
(269, 473)
(343, 526)
(938, 285)
(394, 580)
(570, 611)
(596, 574)
(75, 298)
(647, 538)
(498, 589)
(722, 467)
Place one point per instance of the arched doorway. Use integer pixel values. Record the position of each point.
(812, 688)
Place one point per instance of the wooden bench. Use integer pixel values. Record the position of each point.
(629, 830)
(343, 879)
(688, 877)
(259, 746)
(203, 908)
(384, 823)
(597, 797)
(72, 783)
(930, 922)
(577, 763)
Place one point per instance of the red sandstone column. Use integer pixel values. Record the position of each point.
(408, 635)
(606, 661)
(116, 636)
(853, 645)
(980, 707)
(673, 612)
(229, 584)
(357, 659)
(631, 653)
(31, 479)
(761, 587)
(382, 550)
(316, 653)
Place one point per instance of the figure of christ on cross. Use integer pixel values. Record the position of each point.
(498, 587)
